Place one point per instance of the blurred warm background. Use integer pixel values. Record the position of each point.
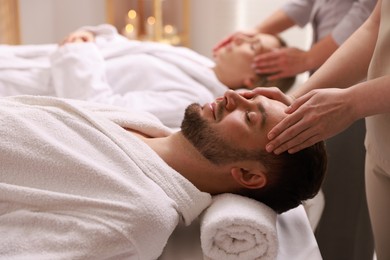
(197, 24)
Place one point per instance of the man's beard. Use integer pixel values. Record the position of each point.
(208, 142)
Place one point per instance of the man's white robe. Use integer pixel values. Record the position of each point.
(75, 184)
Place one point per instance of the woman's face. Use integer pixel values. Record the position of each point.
(233, 62)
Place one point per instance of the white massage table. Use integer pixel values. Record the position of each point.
(296, 240)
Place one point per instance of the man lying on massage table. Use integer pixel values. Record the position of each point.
(98, 64)
(86, 180)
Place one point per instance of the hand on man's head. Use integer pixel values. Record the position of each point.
(269, 92)
(229, 38)
(282, 62)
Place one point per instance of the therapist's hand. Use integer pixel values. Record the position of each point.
(229, 39)
(316, 116)
(269, 92)
(282, 62)
(79, 36)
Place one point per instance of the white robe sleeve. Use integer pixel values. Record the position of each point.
(78, 72)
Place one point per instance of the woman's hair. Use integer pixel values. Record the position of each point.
(291, 178)
(284, 84)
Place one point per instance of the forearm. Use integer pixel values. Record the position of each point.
(320, 52)
(277, 22)
(349, 63)
(371, 97)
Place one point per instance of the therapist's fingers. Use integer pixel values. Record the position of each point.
(297, 103)
(305, 124)
(222, 43)
(267, 56)
(282, 62)
(303, 140)
(282, 134)
(270, 63)
(226, 41)
(288, 128)
(231, 37)
(267, 59)
(293, 130)
(269, 92)
(264, 91)
(316, 116)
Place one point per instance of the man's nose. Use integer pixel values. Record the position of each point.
(233, 100)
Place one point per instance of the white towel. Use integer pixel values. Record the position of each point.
(235, 227)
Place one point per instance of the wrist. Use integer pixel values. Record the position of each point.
(310, 61)
(355, 104)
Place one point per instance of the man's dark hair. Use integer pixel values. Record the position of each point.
(291, 178)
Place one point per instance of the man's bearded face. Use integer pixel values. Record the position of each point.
(207, 141)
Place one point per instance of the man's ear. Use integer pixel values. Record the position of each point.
(249, 178)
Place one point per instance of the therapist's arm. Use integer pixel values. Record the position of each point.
(276, 23)
(289, 61)
(349, 64)
(323, 113)
(273, 24)
(313, 117)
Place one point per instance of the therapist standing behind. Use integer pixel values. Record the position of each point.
(319, 114)
(333, 21)
(345, 212)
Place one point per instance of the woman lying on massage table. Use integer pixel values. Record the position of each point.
(154, 77)
(92, 181)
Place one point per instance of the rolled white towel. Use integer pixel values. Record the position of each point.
(234, 227)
